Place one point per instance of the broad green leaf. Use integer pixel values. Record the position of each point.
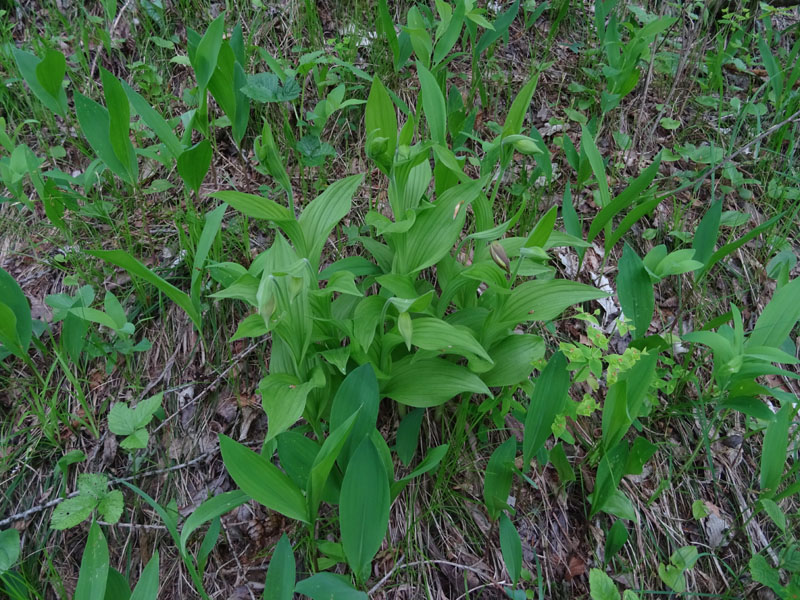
(119, 113)
(72, 512)
(381, 124)
(117, 587)
(548, 400)
(207, 237)
(433, 105)
(281, 573)
(435, 231)
(418, 36)
(498, 477)
(775, 513)
(262, 481)
(114, 309)
(95, 124)
(363, 508)
(635, 291)
(267, 153)
(209, 510)
(225, 85)
(615, 414)
(93, 484)
(137, 440)
(50, 74)
(601, 586)
(511, 547)
(615, 539)
(154, 121)
(145, 410)
(111, 506)
(193, 164)
(324, 461)
(451, 33)
(519, 108)
(674, 574)
(778, 318)
(323, 213)
(773, 451)
(31, 67)
(134, 267)
(94, 566)
(544, 227)
(204, 58)
(267, 87)
(513, 359)
(598, 168)
(15, 302)
(9, 337)
(256, 207)
(430, 333)
(609, 473)
(147, 586)
(9, 549)
(707, 233)
(572, 223)
(430, 382)
(558, 458)
(765, 574)
(283, 397)
(641, 451)
(95, 316)
(328, 586)
(296, 453)
(544, 300)
(407, 438)
(358, 393)
(385, 27)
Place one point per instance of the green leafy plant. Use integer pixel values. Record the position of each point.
(674, 574)
(132, 422)
(16, 324)
(602, 587)
(93, 494)
(98, 580)
(76, 314)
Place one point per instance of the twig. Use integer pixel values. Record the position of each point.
(134, 525)
(386, 577)
(400, 564)
(50, 504)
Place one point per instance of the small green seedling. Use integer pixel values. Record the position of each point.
(132, 422)
(93, 494)
(674, 574)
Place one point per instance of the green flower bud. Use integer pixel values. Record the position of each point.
(499, 256)
(527, 146)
